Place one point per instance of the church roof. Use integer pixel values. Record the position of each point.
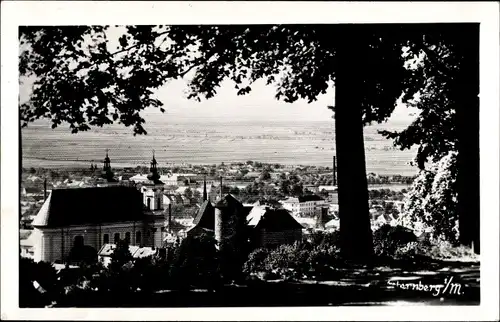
(205, 216)
(89, 206)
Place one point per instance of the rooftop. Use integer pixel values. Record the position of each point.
(306, 198)
(66, 207)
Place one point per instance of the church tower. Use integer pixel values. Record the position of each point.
(153, 169)
(107, 173)
(152, 190)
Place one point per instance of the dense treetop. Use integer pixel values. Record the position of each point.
(83, 80)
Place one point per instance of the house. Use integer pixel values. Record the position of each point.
(333, 225)
(292, 204)
(169, 180)
(139, 178)
(27, 243)
(31, 191)
(272, 227)
(305, 205)
(172, 199)
(267, 226)
(252, 175)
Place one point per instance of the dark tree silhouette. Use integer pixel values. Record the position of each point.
(121, 255)
(85, 83)
(449, 114)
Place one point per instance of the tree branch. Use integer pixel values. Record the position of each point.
(136, 45)
(434, 60)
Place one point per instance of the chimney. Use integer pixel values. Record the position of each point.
(334, 170)
(45, 189)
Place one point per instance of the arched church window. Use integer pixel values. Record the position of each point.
(117, 237)
(127, 237)
(149, 203)
(105, 239)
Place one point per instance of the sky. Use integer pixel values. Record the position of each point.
(259, 104)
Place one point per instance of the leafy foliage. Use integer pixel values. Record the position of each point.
(317, 257)
(80, 79)
(195, 263)
(432, 200)
(121, 255)
(435, 61)
(42, 273)
(387, 239)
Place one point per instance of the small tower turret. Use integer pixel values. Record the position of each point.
(107, 173)
(152, 189)
(153, 169)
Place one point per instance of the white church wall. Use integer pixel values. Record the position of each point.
(51, 246)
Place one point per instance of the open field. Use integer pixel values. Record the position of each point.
(206, 142)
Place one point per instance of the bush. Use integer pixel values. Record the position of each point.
(287, 261)
(447, 250)
(294, 261)
(255, 262)
(320, 238)
(388, 239)
(434, 249)
(322, 260)
(45, 275)
(195, 263)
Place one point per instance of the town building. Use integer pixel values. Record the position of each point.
(77, 219)
(306, 205)
(266, 226)
(272, 227)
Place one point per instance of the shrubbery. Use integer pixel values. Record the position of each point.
(314, 258)
(388, 240)
(400, 243)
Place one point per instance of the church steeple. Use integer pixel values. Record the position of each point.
(107, 163)
(106, 169)
(154, 176)
(205, 188)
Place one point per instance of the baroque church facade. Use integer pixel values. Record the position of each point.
(78, 221)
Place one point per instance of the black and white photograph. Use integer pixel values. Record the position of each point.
(251, 164)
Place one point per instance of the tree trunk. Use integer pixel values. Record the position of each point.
(355, 228)
(468, 139)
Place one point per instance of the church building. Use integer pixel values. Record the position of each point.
(78, 221)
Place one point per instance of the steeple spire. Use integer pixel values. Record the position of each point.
(205, 188)
(107, 162)
(154, 176)
(106, 169)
